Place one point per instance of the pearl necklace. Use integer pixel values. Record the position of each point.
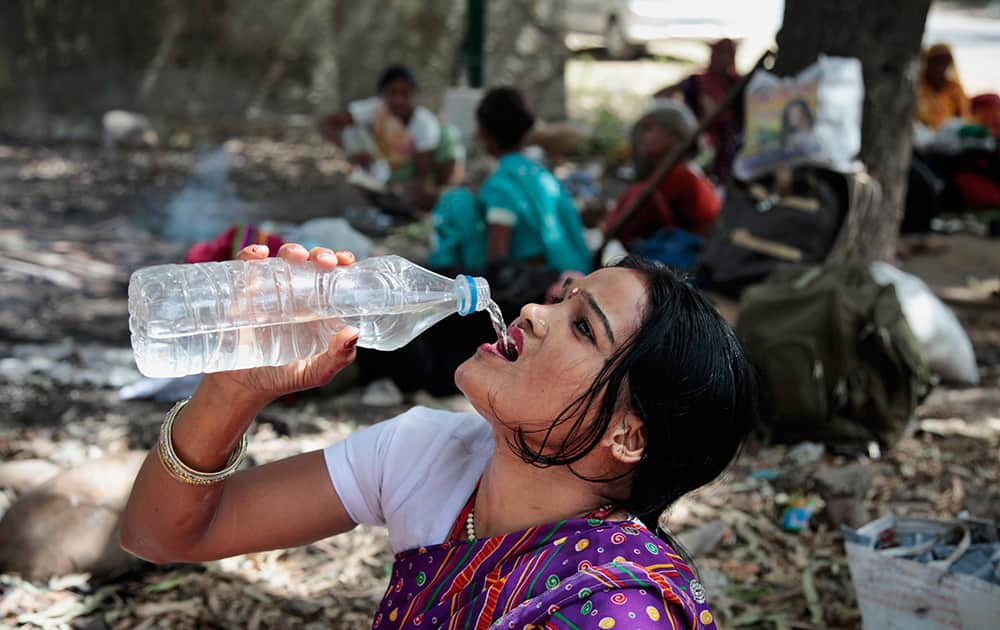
(470, 520)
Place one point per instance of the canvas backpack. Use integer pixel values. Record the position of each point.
(788, 219)
(838, 361)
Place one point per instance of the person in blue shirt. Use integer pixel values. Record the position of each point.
(521, 213)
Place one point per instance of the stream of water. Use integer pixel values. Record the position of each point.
(504, 343)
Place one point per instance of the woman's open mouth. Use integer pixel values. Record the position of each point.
(509, 351)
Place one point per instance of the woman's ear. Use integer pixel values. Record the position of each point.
(627, 439)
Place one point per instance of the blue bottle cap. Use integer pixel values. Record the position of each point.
(473, 293)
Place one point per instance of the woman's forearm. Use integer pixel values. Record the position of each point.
(165, 517)
(168, 519)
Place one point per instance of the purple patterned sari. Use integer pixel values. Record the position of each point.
(577, 574)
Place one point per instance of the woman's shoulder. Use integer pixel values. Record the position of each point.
(689, 170)
(462, 425)
(431, 414)
(503, 189)
(519, 165)
(690, 181)
(419, 434)
(517, 173)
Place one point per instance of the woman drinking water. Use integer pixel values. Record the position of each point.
(539, 510)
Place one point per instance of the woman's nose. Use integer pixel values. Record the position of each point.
(535, 316)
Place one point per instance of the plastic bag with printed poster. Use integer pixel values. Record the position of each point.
(811, 119)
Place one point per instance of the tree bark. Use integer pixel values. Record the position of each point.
(885, 36)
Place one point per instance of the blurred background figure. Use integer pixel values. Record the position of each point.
(702, 92)
(956, 164)
(521, 213)
(521, 229)
(940, 96)
(398, 141)
(986, 112)
(685, 198)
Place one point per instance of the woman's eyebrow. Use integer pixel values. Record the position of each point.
(600, 314)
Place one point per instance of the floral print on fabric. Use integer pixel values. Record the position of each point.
(578, 574)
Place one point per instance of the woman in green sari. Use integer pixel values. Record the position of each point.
(521, 213)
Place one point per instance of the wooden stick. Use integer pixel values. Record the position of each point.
(743, 237)
(676, 153)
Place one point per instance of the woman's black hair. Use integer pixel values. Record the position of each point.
(685, 375)
(394, 73)
(505, 116)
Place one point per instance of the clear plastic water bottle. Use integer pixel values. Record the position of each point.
(210, 317)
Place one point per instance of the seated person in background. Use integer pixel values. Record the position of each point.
(702, 92)
(685, 198)
(977, 175)
(986, 112)
(960, 172)
(398, 141)
(521, 213)
(940, 96)
(522, 231)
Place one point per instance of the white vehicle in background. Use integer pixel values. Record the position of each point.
(628, 26)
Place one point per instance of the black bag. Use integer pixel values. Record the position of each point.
(791, 218)
(923, 198)
(837, 357)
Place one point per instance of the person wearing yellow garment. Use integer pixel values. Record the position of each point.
(940, 96)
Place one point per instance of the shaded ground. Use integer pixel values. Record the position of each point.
(74, 224)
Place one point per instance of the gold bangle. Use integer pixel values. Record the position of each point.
(181, 471)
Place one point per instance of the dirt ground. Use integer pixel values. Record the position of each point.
(74, 222)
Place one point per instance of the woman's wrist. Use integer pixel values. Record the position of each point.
(179, 470)
(221, 386)
(210, 427)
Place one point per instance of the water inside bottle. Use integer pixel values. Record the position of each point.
(504, 343)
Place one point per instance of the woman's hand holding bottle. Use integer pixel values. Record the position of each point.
(265, 384)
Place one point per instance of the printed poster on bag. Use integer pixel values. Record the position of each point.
(813, 118)
(781, 122)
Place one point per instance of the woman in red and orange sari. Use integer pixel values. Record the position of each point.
(538, 510)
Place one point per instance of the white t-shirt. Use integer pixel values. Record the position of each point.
(413, 473)
(423, 126)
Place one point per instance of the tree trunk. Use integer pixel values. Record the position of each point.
(886, 37)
